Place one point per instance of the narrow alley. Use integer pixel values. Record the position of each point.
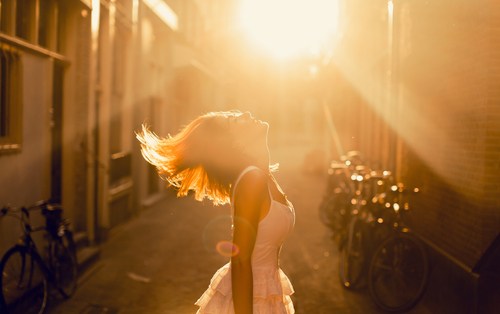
(407, 89)
(162, 261)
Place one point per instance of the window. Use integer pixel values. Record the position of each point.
(25, 16)
(6, 16)
(38, 22)
(118, 89)
(45, 17)
(10, 99)
(63, 10)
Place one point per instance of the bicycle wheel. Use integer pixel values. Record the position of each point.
(325, 210)
(64, 268)
(399, 271)
(23, 283)
(333, 211)
(352, 257)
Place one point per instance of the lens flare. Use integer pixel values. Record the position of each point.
(227, 249)
(217, 236)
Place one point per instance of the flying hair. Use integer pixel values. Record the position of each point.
(197, 158)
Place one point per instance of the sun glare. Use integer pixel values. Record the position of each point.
(286, 28)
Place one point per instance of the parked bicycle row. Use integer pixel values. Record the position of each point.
(25, 276)
(364, 209)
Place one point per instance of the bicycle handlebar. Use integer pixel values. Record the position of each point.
(52, 213)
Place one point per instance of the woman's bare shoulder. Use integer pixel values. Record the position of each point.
(252, 185)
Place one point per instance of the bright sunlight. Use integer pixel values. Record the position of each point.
(286, 28)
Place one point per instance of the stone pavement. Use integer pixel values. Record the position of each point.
(162, 261)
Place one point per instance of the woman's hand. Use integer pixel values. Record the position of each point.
(249, 195)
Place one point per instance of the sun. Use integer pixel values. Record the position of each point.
(286, 28)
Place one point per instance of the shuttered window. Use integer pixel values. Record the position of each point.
(10, 99)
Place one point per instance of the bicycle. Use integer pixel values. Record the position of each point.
(334, 209)
(25, 277)
(399, 268)
(353, 252)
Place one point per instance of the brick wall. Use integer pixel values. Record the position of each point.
(491, 199)
(428, 105)
(445, 58)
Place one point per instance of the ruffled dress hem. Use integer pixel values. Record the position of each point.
(271, 293)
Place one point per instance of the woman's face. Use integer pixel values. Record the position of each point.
(246, 130)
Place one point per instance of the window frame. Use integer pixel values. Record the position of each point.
(7, 16)
(28, 31)
(13, 103)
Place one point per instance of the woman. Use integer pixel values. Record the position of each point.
(224, 156)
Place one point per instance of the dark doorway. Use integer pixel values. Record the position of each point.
(57, 114)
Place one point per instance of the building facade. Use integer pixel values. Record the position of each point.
(415, 88)
(45, 54)
(78, 78)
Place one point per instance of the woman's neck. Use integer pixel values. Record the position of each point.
(256, 155)
(261, 157)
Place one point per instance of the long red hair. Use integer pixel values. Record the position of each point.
(202, 157)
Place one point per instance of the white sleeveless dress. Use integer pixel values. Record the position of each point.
(271, 287)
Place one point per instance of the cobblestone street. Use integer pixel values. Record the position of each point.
(162, 261)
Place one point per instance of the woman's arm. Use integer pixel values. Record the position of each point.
(249, 195)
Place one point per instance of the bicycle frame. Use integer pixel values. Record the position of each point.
(59, 269)
(56, 231)
(26, 241)
(32, 249)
